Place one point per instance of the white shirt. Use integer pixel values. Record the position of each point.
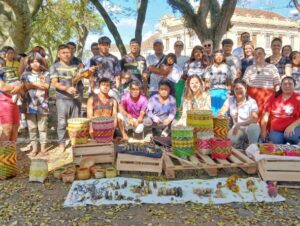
(154, 78)
(175, 74)
(181, 60)
(243, 112)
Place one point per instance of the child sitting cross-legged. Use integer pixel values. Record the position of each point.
(132, 110)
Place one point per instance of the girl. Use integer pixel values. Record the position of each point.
(37, 83)
(248, 56)
(293, 69)
(195, 98)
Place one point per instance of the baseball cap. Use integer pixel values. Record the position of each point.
(158, 41)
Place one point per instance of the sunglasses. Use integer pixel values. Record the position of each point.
(179, 45)
(208, 45)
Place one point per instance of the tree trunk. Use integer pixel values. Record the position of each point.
(82, 36)
(111, 27)
(142, 9)
(197, 21)
(297, 5)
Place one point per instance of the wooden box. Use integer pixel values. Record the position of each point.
(102, 153)
(127, 162)
(279, 170)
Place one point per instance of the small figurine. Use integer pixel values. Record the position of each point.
(251, 187)
(231, 185)
(106, 195)
(117, 186)
(272, 189)
(154, 185)
(219, 193)
(142, 183)
(202, 192)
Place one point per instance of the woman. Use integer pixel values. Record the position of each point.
(293, 69)
(286, 50)
(161, 109)
(243, 111)
(37, 82)
(262, 80)
(276, 58)
(9, 110)
(248, 56)
(218, 80)
(195, 66)
(283, 112)
(195, 98)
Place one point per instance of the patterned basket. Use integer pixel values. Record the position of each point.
(203, 142)
(38, 170)
(202, 120)
(103, 129)
(220, 148)
(182, 141)
(8, 160)
(221, 126)
(78, 129)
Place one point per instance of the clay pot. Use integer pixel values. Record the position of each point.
(87, 163)
(68, 177)
(100, 173)
(111, 172)
(94, 169)
(83, 173)
(58, 173)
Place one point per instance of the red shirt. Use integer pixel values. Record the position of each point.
(283, 112)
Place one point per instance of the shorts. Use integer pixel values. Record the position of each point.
(9, 112)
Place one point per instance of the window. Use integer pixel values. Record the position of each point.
(292, 41)
(167, 43)
(268, 41)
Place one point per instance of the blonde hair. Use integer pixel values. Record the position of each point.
(188, 95)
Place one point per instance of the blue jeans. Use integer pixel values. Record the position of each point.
(278, 137)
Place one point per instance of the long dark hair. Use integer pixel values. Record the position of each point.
(279, 92)
(36, 56)
(293, 53)
(241, 82)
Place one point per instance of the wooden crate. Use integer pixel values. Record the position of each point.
(102, 153)
(127, 162)
(211, 166)
(279, 170)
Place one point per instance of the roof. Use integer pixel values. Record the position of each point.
(257, 13)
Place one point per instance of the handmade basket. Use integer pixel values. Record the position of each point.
(103, 129)
(200, 119)
(221, 126)
(182, 141)
(203, 142)
(8, 160)
(78, 129)
(38, 170)
(220, 148)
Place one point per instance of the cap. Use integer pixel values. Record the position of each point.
(158, 41)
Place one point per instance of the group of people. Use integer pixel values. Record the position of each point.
(144, 95)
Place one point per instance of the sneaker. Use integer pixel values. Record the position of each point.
(26, 148)
(165, 132)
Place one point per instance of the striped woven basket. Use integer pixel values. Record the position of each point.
(220, 148)
(103, 129)
(203, 142)
(78, 129)
(182, 141)
(221, 126)
(8, 160)
(202, 120)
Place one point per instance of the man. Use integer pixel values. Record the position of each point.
(239, 51)
(67, 83)
(108, 66)
(132, 110)
(154, 61)
(74, 60)
(95, 52)
(134, 66)
(178, 47)
(208, 51)
(232, 61)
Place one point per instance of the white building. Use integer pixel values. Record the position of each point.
(262, 26)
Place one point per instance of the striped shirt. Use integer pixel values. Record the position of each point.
(266, 77)
(65, 75)
(296, 76)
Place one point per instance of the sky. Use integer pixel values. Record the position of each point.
(158, 8)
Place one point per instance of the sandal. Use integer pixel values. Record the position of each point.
(33, 154)
(43, 153)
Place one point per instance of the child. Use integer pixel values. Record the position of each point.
(37, 83)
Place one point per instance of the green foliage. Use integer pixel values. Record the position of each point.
(58, 21)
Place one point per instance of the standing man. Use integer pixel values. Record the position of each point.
(108, 66)
(64, 78)
(134, 66)
(154, 61)
(178, 47)
(239, 51)
(74, 60)
(232, 61)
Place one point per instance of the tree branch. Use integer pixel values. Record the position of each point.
(34, 7)
(141, 15)
(111, 26)
(297, 5)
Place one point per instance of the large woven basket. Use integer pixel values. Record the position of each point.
(78, 129)
(220, 148)
(182, 141)
(8, 160)
(221, 126)
(200, 119)
(203, 142)
(103, 129)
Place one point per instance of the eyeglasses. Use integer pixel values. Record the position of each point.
(208, 45)
(179, 45)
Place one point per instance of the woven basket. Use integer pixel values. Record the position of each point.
(78, 129)
(221, 126)
(38, 170)
(103, 129)
(220, 148)
(201, 120)
(203, 142)
(8, 160)
(182, 141)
